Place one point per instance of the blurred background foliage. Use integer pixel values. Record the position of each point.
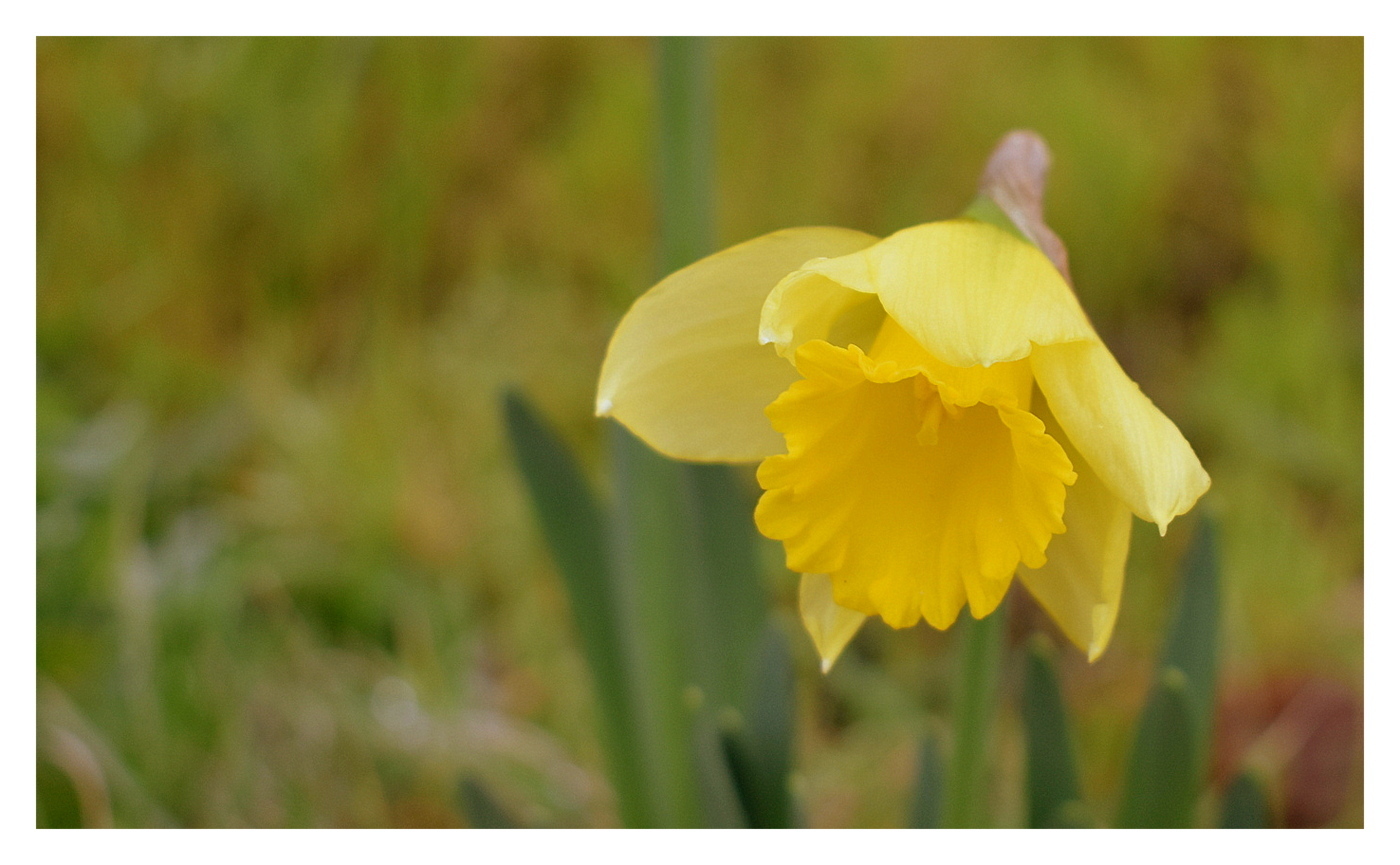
(287, 574)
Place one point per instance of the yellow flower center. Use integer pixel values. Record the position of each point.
(916, 485)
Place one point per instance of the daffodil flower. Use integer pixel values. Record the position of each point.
(933, 412)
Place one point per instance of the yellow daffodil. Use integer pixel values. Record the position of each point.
(934, 413)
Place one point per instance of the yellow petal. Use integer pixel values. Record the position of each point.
(830, 625)
(685, 370)
(1081, 582)
(1135, 449)
(969, 292)
(914, 509)
(807, 306)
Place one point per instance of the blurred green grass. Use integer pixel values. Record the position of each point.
(286, 573)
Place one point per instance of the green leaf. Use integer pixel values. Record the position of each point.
(1071, 815)
(685, 195)
(759, 745)
(926, 797)
(720, 803)
(652, 567)
(481, 808)
(1192, 638)
(685, 592)
(1160, 789)
(1245, 804)
(575, 530)
(688, 584)
(1168, 763)
(724, 602)
(974, 713)
(1052, 776)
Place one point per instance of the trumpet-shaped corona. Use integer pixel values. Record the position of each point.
(915, 486)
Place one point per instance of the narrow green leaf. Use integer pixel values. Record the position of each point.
(720, 803)
(1192, 638)
(1071, 815)
(693, 603)
(974, 714)
(1052, 776)
(575, 531)
(1245, 804)
(685, 193)
(759, 746)
(1160, 789)
(724, 604)
(685, 618)
(926, 797)
(481, 808)
(651, 565)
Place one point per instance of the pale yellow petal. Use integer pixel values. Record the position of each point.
(1081, 582)
(830, 625)
(807, 306)
(685, 370)
(969, 292)
(1135, 449)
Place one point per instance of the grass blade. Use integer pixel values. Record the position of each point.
(575, 530)
(481, 808)
(926, 798)
(685, 193)
(760, 747)
(652, 567)
(1192, 638)
(1160, 788)
(1052, 776)
(725, 603)
(1168, 762)
(720, 798)
(1245, 804)
(693, 604)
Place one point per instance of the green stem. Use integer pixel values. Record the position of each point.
(651, 555)
(974, 713)
(686, 121)
(648, 542)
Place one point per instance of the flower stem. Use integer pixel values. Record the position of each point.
(686, 182)
(652, 551)
(974, 714)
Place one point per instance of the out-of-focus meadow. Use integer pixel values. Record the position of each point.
(287, 572)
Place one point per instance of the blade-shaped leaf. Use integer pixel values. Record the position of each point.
(689, 591)
(717, 785)
(652, 566)
(1071, 815)
(685, 193)
(724, 603)
(759, 748)
(1245, 804)
(1160, 788)
(1192, 637)
(926, 797)
(481, 808)
(572, 521)
(1052, 775)
(575, 530)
